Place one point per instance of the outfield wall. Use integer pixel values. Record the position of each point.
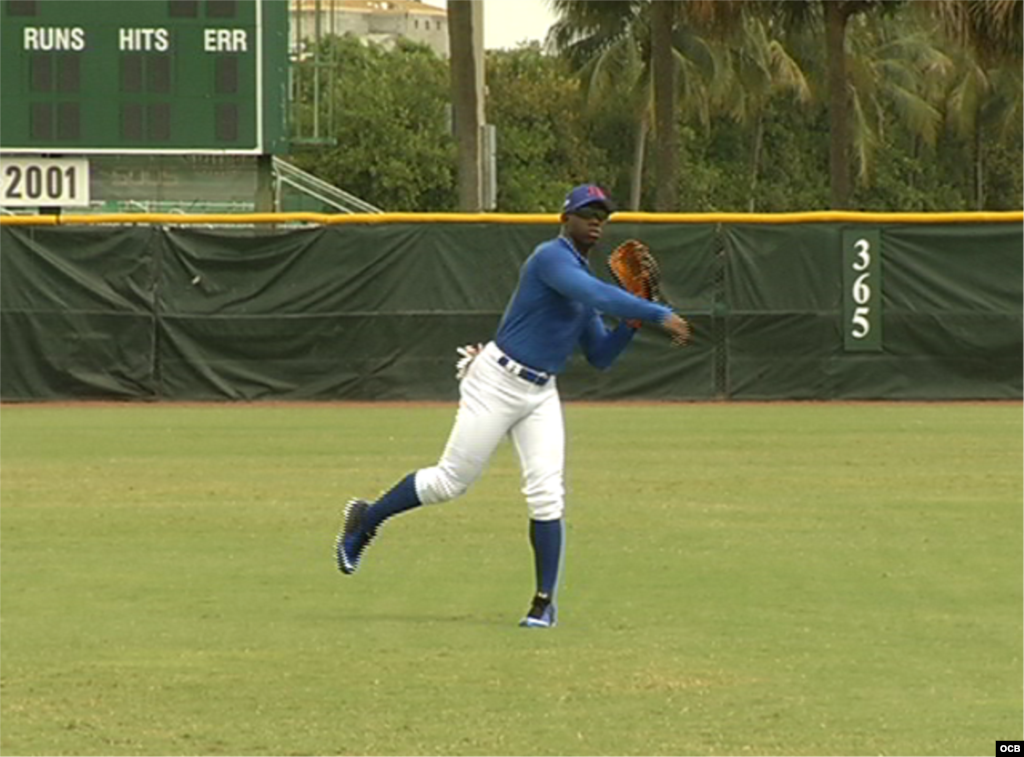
(788, 306)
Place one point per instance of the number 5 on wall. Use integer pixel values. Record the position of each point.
(862, 291)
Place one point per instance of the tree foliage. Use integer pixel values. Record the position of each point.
(393, 141)
(937, 124)
(545, 142)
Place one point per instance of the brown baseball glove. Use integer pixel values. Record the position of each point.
(634, 269)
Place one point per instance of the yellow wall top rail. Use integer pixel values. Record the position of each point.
(327, 219)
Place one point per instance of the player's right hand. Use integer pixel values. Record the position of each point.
(679, 328)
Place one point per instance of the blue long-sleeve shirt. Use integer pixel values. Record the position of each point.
(558, 305)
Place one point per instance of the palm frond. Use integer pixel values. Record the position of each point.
(920, 117)
(864, 140)
(788, 75)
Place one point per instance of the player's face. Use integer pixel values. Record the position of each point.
(585, 225)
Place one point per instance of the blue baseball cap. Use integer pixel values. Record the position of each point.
(587, 194)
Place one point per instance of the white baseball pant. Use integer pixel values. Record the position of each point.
(495, 401)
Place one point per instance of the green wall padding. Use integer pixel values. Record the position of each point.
(376, 311)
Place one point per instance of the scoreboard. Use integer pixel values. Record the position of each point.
(143, 76)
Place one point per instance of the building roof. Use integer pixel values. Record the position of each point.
(369, 6)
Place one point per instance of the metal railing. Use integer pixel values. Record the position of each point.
(287, 175)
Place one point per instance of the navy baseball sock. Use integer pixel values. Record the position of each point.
(546, 537)
(401, 497)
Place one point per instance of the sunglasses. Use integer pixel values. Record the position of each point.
(591, 212)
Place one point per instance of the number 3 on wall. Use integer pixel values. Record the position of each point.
(862, 301)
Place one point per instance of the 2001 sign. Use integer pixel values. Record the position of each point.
(40, 182)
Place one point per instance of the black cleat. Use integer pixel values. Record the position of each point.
(542, 614)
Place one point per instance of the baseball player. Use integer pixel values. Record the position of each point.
(509, 387)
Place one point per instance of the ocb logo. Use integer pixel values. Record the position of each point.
(1009, 747)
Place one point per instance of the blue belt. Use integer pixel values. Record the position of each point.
(534, 377)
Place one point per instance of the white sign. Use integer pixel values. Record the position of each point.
(35, 182)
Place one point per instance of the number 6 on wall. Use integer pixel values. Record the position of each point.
(862, 291)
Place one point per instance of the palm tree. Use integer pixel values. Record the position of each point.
(759, 69)
(671, 20)
(986, 95)
(835, 15)
(892, 69)
(654, 48)
(466, 79)
(613, 58)
(990, 28)
(663, 64)
(608, 44)
(983, 104)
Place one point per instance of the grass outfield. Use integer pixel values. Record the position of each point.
(740, 579)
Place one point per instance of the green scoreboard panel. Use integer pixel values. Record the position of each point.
(123, 76)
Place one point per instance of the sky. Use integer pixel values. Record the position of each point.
(509, 22)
